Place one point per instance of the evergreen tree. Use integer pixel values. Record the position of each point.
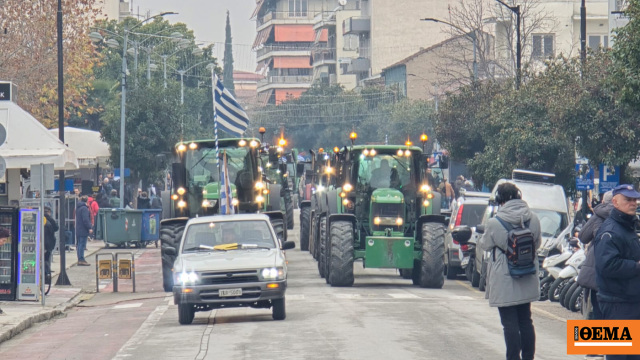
(227, 72)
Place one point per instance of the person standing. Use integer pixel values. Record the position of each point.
(93, 206)
(512, 295)
(114, 200)
(83, 228)
(50, 229)
(143, 201)
(617, 254)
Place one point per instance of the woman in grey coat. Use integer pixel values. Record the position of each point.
(512, 295)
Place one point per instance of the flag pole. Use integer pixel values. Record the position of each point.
(214, 87)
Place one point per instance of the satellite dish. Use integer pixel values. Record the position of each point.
(342, 2)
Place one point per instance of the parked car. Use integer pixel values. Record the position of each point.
(467, 210)
(230, 261)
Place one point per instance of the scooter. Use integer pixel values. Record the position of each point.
(567, 274)
(468, 262)
(552, 266)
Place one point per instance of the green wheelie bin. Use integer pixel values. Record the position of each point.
(119, 227)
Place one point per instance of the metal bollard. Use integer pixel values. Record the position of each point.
(104, 269)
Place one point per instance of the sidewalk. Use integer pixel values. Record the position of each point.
(20, 315)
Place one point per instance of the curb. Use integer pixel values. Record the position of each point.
(41, 316)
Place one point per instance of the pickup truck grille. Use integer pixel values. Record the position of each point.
(228, 277)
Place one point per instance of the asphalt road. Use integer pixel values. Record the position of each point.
(381, 317)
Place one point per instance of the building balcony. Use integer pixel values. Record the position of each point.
(323, 57)
(356, 25)
(284, 82)
(324, 19)
(293, 49)
(285, 17)
(359, 65)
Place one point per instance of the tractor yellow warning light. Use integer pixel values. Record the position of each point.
(424, 137)
(262, 130)
(282, 142)
(353, 135)
(320, 151)
(336, 149)
(174, 197)
(408, 142)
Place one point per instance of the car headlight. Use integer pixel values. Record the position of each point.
(187, 278)
(274, 273)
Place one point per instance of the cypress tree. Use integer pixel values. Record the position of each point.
(227, 70)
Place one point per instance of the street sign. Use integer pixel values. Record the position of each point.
(584, 177)
(104, 269)
(116, 172)
(609, 177)
(5, 91)
(47, 177)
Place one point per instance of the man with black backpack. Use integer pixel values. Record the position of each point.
(513, 237)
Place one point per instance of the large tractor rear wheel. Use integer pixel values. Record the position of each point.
(289, 209)
(170, 236)
(432, 265)
(322, 234)
(279, 228)
(341, 260)
(305, 214)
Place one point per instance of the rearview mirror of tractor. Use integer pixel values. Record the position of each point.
(480, 229)
(461, 234)
(288, 245)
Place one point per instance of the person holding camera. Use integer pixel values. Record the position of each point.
(512, 293)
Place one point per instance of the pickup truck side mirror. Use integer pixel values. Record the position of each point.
(171, 251)
(288, 245)
(480, 229)
(461, 234)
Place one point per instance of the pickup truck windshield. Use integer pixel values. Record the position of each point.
(214, 234)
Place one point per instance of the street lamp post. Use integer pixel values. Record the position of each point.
(182, 72)
(516, 10)
(473, 36)
(123, 102)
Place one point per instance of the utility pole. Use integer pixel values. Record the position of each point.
(63, 279)
(516, 11)
(583, 33)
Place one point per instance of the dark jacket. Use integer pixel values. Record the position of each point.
(590, 229)
(83, 219)
(144, 203)
(50, 229)
(617, 252)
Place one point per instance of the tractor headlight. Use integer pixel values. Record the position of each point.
(399, 221)
(235, 202)
(429, 196)
(274, 273)
(372, 152)
(425, 188)
(426, 203)
(259, 198)
(174, 197)
(253, 143)
(259, 185)
(320, 188)
(345, 202)
(187, 278)
(181, 191)
(347, 187)
(182, 204)
(376, 220)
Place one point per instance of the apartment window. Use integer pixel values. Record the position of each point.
(597, 41)
(351, 42)
(542, 46)
(298, 7)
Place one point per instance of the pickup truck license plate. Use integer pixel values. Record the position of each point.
(465, 261)
(230, 292)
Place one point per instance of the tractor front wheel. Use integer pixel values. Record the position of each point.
(432, 265)
(322, 234)
(305, 214)
(341, 254)
(170, 236)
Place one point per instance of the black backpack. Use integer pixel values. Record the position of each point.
(520, 251)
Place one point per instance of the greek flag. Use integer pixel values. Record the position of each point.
(226, 207)
(228, 114)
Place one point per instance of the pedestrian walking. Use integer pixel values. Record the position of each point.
(617, 255)
(83, 228)
(50, 228)
(512, 295)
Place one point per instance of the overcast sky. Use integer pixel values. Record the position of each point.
(207, 20)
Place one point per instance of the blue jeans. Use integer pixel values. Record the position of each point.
(82, 245)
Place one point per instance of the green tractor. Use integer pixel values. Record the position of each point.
(196, 190)
(383, 212)
(277, 170)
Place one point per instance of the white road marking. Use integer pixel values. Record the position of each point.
(404, 296)
(127, 306)
(143, 331)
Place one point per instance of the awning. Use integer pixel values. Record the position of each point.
(257, 10)
(292, 62)
(284, 94)
(87, 144)
(30, 143)
(263, 97)
(262, 36)
(322, 35)
(295, 33)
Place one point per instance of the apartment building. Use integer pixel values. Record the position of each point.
(331, 59)
(113, 9)
(283, 44)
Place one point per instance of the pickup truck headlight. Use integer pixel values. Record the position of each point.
(187, 278)
(274, 273)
